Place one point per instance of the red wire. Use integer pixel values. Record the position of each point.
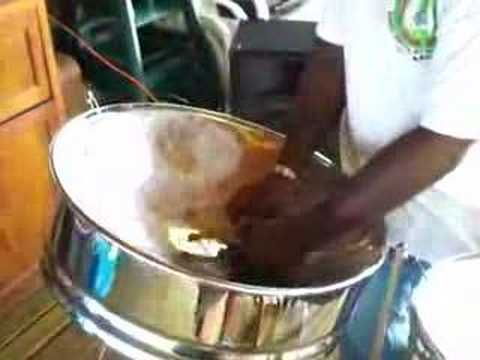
(135, 82)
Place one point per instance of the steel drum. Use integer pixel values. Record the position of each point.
(446, 312)
(136, 187)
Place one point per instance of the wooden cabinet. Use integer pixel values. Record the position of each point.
(31, 109)
(27, 192)
(22, 68)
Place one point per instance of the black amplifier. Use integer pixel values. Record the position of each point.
(266, 60)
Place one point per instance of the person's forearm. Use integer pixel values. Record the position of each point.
(320, 98)
(401, 170)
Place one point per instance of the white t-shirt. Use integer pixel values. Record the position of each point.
(389, 94)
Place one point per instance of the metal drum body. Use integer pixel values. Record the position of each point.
(146, 306)
(446, 312)
(140, 308)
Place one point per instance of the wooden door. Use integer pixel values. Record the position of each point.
(26, 190)
(24, 78)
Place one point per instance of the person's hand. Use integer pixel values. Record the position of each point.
(274, 244)
(280, 196)
(288, 247)
(340, 255)
(268, 199)
(282, 242)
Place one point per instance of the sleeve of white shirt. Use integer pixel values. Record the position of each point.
(331, 23)
(453, 105)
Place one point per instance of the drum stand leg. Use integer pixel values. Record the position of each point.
(399, 253)
(102, 351)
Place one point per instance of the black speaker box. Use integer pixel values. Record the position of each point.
(267, 59)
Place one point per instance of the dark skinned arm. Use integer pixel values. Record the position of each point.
(401, 170)
(320, 100)
(406, 167)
